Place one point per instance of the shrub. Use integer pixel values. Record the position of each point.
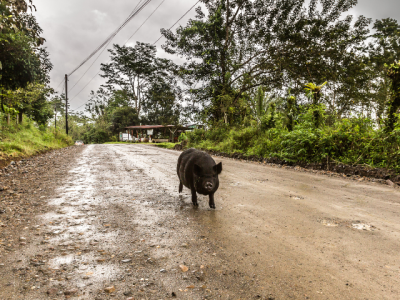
(349, 141)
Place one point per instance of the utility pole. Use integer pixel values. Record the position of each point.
(55, 116)
(66, 104)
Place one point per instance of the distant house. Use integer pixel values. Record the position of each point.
(194, 126)
(153, 133)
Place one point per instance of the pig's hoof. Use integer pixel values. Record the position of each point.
(212, 206)
(195, 204)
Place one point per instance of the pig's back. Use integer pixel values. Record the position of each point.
(185, 166)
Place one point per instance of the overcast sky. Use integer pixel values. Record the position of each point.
(74, 28)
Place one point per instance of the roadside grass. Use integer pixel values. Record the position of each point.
(127, 143)
(161, 145)
(18, 141)
(166, 145)
(352, 142)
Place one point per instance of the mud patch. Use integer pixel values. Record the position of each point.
(358, 225)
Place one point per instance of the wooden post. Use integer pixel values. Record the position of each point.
(66, 104)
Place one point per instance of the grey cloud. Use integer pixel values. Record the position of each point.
(74, 28)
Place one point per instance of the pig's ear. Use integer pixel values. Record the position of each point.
(218, 168)
(197, 170)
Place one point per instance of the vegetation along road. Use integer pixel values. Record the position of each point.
(115, 225)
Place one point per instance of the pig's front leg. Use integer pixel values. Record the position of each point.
(211, 202)
(194, 198)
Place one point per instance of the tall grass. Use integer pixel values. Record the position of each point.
(27, 139)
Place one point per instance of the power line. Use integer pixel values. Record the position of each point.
(100, 53)
(133, 14)
(144, 22)
(60, 84)
(128, 40)
(124, 44)
(178, 21)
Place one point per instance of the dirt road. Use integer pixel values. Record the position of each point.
(109, 224)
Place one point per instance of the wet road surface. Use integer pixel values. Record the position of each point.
(117, 228)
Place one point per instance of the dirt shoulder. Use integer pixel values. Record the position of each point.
(25, 187)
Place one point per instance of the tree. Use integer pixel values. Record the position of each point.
(22, 62)
(161, 105)
(98, 104)
(394, 102)
(57, 103)
(133, 69)
(14, 17)
(260, 103)
(32, 101)
(20, 57)
(382, 51)
(123, 117)
(241, 45)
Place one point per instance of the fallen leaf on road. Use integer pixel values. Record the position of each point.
(184, 268)
(190, 287)
(110, 289)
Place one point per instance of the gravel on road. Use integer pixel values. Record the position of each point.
(107, 222)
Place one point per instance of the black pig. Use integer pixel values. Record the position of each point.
(198, 172)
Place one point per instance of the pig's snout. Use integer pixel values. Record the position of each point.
(209, 186)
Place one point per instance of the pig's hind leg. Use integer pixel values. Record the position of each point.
(194, 198)
(211, 202)
(180, 187)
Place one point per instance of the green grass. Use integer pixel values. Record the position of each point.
(128, 143)
(112, 143)
(18, 141)
(166, 145)
(161, 145)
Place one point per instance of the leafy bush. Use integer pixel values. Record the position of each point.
(182, 137)
(96, 135)
(349, 141)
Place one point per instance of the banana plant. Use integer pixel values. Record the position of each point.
(314, 92)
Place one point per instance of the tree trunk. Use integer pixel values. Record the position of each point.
(20, 118)
(8, 119)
